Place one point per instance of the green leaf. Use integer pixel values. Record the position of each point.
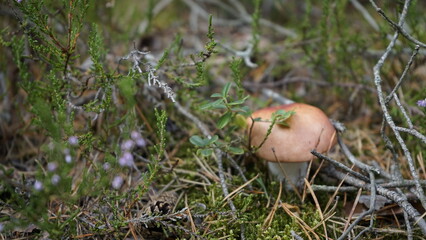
(225, 90)
(206, 106)
(206, 152)
(239, 101)
(218, 104)
(212, 139)
(215, 95)
(281, 117)
(224, 120)
(240, 121)
(197, 141)
(243, 110)
(202, 142)
(236, 150)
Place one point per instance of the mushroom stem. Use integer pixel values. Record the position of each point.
(292, 173)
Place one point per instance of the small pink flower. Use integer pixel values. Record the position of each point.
(73, 140)
(127, 145)
(421, 103)
(117, 182)
(106, 166)
(55, 179)
(135, 135)
(52, 166)
(38, 186)
(140, 142)
(68, 158)
(126, 160)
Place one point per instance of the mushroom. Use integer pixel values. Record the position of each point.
(288, 147)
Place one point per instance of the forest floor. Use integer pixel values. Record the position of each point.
(127, 119)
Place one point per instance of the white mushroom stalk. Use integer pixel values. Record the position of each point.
(287, 148)
(292, 173)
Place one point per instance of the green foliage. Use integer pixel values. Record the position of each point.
(161, 118)
(153, 166)
(235, 66)
(18, 44)
(255, 23)
(128, 89)
(206, 145)
(97, 50)
(232, 114)
(150, 14)
(211, 44)
(231, 106)
(49, 98)
(45, 118)
(280, 117)
(57, 48)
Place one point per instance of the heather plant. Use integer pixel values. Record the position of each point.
(54, 99)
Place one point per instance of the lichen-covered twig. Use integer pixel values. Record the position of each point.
(340, 166)
(136, 57)
(381, 95)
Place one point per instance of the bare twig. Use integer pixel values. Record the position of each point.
(378, 80)
(398, 27)
(245, 55)
(401, 79)
(399, 199)
(393, 184)
(356, 162)
(371, 208)
(340, 166)
(413, 132)
(271, 94)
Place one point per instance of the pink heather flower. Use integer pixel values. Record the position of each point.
(68, 158)
(135, 135)
(106, 166)
(127, 145)
(55, 179)
(140, 142)
(38, 186)
(421, 103)
(73, 140)
(52, 166)
(126, 160)
(117, 182)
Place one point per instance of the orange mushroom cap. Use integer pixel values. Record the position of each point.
(308, 128)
